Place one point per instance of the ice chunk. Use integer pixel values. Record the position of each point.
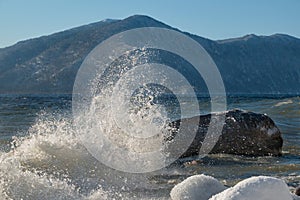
(198, 187)
(260, 187)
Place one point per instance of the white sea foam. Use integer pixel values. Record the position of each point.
(47, 164)
(50, 163)
(284, 103)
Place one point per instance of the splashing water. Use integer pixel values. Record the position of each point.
(124, 126)
(51, 163)
(124, 133)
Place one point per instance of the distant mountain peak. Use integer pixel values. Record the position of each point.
(285, 37)
(145, 21)
(109, 20)
(141, 17)
(243, 38)
(248, 64)
(250, 36)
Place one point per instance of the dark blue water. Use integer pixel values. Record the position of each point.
(41, 158)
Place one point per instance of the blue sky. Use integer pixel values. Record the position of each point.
(214, 19)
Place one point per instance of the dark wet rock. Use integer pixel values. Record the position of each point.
(297, 191)
(243, 133)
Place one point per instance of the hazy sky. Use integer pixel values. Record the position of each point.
(23, 19)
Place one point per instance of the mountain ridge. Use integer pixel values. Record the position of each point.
(48, 64)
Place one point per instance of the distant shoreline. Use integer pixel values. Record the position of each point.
(239, 95)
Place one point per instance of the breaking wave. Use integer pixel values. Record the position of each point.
(51, 163)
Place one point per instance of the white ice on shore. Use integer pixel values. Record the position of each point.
(260, 187)
(197, 187)
(201, 187)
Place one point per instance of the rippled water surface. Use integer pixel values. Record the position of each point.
(41, 157)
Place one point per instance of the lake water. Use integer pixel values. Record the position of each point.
(41, 157)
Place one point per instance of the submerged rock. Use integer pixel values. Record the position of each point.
(243, 133)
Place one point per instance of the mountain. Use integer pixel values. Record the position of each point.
(248, 65)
